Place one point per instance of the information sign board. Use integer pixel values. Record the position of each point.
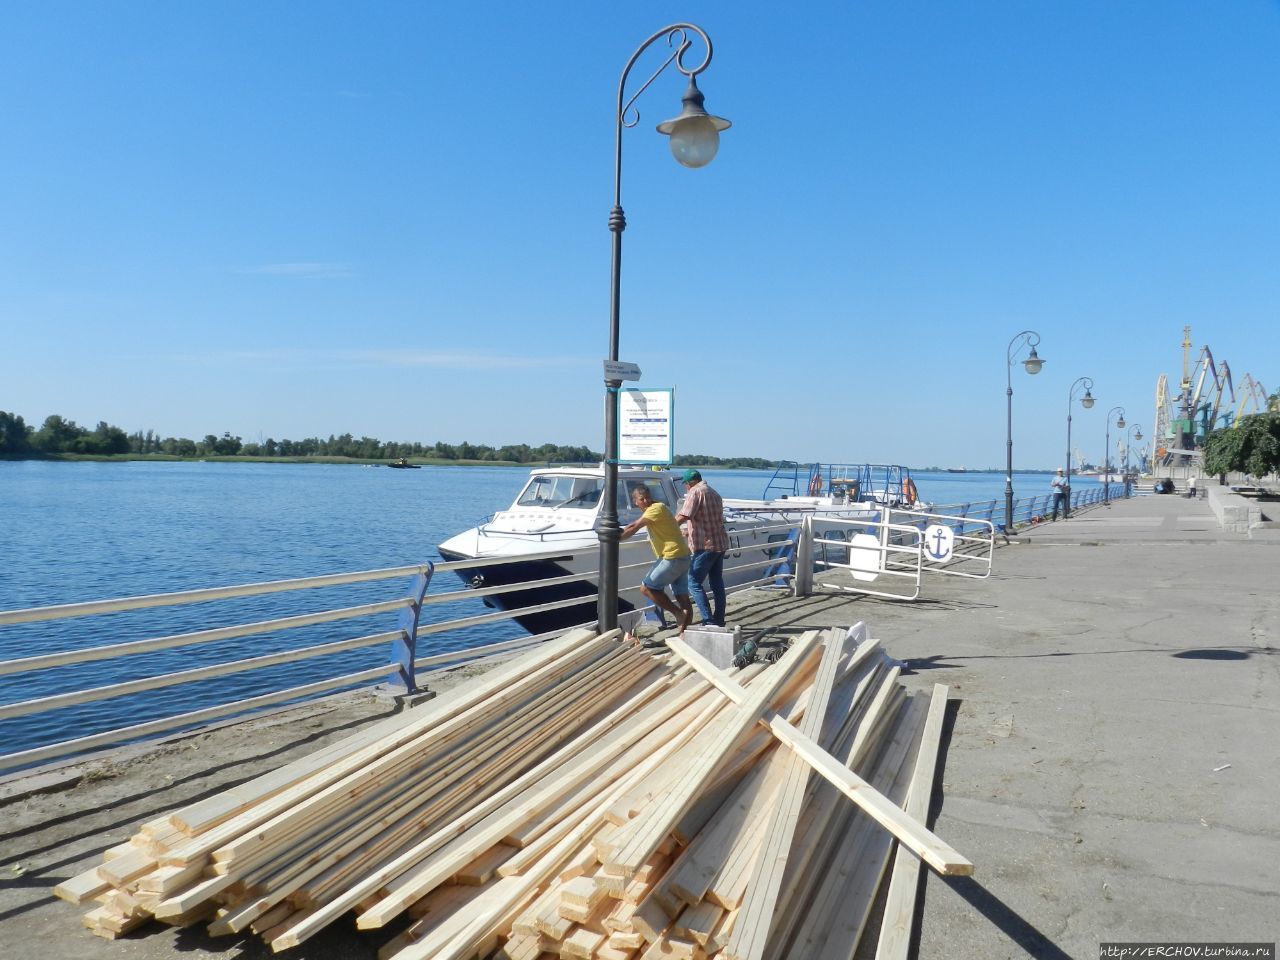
(645, 434)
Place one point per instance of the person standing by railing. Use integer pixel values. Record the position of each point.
(1061, 495)
(703, 518)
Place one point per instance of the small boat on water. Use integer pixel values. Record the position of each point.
(558, 508)
(403, 464)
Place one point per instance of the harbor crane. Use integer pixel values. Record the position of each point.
(1253, 399)
(1183, 422)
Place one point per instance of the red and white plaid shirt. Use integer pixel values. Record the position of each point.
(705, 526)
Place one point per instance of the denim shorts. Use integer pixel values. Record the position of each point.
(673, 573)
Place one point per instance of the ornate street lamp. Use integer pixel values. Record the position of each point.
(1033, 363)
(1086, 401)
(1135, 434)
(1106, 454)
(695, 137)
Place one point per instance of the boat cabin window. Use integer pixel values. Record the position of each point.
(657, 490)
(554, 490)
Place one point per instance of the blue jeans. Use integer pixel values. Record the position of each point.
(708, 565)
(1060, 500)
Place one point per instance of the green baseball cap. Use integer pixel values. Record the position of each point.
(691, 475)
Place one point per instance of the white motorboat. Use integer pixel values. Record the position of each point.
(548, 534)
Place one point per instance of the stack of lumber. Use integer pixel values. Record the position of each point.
(586, 800)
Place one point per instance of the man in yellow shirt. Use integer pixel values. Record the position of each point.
(672, 568)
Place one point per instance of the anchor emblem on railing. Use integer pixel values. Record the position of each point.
(938, 542)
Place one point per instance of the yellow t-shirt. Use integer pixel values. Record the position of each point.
(664, 533)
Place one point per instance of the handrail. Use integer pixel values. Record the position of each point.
(401, 641)
(1024, 508)
(111, 651)
(59, 611)
(41, 704)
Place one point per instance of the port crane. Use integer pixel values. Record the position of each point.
(1183, 421)
(1253, 399)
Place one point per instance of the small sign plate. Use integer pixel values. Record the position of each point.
(621, 370)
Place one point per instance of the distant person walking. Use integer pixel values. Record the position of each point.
(703, 519)
(1061, 495)
(672, 568)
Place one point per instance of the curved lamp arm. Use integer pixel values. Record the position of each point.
(1087, 383)
(677, 36)
(1031, 339)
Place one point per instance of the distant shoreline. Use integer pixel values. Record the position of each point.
(362, 462)
(349, 461)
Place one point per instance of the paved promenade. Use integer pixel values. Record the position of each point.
(1112, 770)
(1114, 761)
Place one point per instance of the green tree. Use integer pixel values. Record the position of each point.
(15, 435)
(104, 439)
(57, 435)
(1251, 445)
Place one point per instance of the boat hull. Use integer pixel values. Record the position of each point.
(759, 551)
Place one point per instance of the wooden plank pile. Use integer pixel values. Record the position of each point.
(586, 800)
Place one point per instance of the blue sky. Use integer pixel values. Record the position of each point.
(290, 219)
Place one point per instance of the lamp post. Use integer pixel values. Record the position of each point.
(1086, 401)
(1033, 363)
(1132, 436)
(695, 137)
(1106, 454)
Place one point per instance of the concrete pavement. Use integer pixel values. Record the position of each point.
(1113, 764)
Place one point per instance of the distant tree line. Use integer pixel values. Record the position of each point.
(58, 435)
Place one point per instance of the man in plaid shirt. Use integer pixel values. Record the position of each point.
(703, 512)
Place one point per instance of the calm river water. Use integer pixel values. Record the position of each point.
(73, 532)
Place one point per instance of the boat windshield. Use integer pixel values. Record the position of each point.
(555, 490)
(583, 493)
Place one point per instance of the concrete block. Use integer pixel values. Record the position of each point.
(717, 644)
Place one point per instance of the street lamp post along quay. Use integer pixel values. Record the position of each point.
(1086, 401)
(1033, 363)
(1135, 433)
(1106, 453)
(695, 137)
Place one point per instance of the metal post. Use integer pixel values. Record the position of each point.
(1032, 364)
(1087, 402)
(1106, 454)
(607, 527)
(803, 585)
(402, 680)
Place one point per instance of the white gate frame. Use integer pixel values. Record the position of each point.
(899, 552)
(970, 546)
(890, 561)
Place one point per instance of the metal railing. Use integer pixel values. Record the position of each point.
(66, 681)
(1026, 510)
(872, 551)
(892, 551)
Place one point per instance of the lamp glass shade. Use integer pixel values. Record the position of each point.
(1138, 435)
(694, 141)
(1087, 400)
(1033, 363)
(1120, 424)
